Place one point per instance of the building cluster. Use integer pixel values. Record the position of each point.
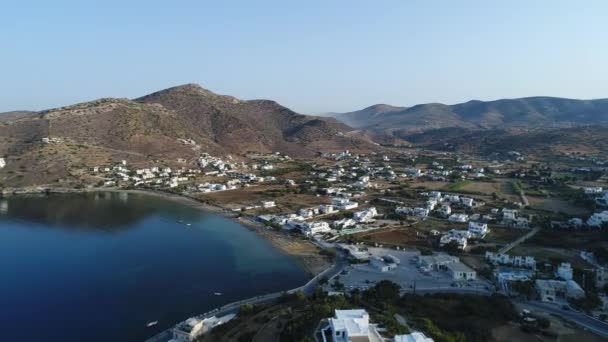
(167, 177)
(460, 237)
(442, 204)
(157, 177)
(439, 172)
(561, 287)
(307, 220)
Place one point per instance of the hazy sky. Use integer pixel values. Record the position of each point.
(312, 56)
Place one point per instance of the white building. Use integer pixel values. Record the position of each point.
(268, 204)
(460, 271)
(451, 264)
(564, 271)
(344, 223)
(551, 290)
(308, 212)
(466, 201)
(593, 190)
(365, 215)
(435, 195)
(506, 259)
(436, 262)
(413, 172)
(354, 252)
(353, 325)
(445, 210)
(451, 198)
(312, 228)
(344, 203)
(458, 218)
(478, 229)
(192, 328)
(520, 222)
(327, 209)
(383, 264)
(598, 219)
(404, 210)
(508, 214)
(448, 239)
(431, 203)
(415, 336)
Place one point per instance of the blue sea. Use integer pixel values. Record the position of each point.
(99, 266)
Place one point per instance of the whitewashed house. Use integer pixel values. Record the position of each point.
(598, 219)
(478, 229)
(344, 223)
(353, 326)
(312, 228)
(550, 290)
(458, 218)
(268, 204)
(564, 271)
(467, 202)
(344, 203)
(509, 214)
(365, 215)
(593, 190)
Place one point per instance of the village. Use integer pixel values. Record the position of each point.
(428, 221)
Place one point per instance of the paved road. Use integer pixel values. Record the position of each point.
(593, 325)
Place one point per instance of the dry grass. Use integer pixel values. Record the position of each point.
(557, 205)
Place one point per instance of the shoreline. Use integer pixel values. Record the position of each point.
(307, 259)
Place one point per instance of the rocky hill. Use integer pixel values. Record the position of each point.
(527, 112)
(150, 128)
(542, 142)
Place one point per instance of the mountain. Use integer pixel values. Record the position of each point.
(540, 142)
(149, 128)
(16, 115)
(367, 116)
(523, 112)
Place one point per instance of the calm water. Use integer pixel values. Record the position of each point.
(99, 266)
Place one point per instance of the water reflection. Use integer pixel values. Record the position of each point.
(102, 211)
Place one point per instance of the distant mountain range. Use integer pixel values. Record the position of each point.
(526, 112)
(541, 142)
(149, 128)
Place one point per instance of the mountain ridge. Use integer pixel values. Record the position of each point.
(534, 111)
(154, 126)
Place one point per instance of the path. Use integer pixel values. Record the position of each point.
(521, 239)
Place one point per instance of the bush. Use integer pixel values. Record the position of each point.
(544, 323)
(246, 309)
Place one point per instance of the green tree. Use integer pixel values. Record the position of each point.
(246, 309)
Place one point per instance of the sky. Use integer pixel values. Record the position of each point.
(312, 56)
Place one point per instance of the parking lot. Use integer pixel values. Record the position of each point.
(406, 274)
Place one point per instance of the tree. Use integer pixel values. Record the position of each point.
(544, 323)
(246, 309)
(387, 292)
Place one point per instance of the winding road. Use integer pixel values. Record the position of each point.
(585, 321)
